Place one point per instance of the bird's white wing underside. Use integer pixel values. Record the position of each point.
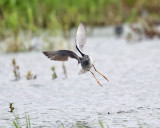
(82, 71)
(81, 36)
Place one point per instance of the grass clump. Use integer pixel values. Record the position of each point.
(16, 122)
(11, 107)
(54, 15)
(15, 69)
(30, 76)
(28, 123)
(54, 75)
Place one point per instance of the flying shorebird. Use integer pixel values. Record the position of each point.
(85, 61)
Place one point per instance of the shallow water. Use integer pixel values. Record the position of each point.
(130, 99)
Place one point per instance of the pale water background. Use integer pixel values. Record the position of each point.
(130, 99)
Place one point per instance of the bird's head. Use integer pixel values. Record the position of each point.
(87, 59)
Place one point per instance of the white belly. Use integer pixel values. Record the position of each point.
(86, 67)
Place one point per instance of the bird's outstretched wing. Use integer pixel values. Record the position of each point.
(61, 55)
(81, 36)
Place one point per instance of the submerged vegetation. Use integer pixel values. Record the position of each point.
(53, 14)
(15, 70)
(18, 124)
(32, 16)
(30, 76)
(11, 107)
(16, 121)
(54, 75)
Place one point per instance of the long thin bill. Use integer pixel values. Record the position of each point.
(96, 79)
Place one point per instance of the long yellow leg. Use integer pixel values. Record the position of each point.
(96, 78)
(100, 73)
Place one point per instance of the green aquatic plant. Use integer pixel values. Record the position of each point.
(14, 45)
(62, 125)
(54, 75)
(15, 69)
(101, 124)
(16, 121)
(28, 123)
(11, 107)
(30, 76)
(53, 15)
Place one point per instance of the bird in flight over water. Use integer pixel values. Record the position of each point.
(85, 61)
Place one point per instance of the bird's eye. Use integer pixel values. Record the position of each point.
(86, 62)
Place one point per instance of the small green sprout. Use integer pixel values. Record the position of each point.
(30, 76)
(11, 107)
(54, 75)
(15, 69)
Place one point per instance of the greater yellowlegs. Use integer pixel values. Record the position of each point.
(85, 61)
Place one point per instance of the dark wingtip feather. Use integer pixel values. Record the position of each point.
(45, 53)
(48, 54)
